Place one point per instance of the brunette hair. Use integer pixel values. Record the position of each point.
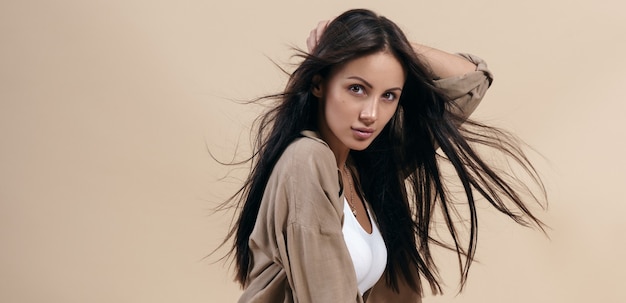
(400, 172)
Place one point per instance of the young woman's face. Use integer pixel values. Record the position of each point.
(358, 99)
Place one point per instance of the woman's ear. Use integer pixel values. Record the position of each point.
(318, 86)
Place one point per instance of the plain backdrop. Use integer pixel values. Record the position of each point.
(108, 109)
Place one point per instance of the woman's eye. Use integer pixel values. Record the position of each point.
(357, 89)
(389, 96)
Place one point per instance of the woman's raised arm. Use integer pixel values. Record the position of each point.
(464, 78)
(443, 64)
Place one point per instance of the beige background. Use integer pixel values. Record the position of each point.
(106, 108)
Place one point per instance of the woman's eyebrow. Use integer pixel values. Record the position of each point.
(362, 80)
(369, 85)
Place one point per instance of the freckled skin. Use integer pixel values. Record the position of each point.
(357, 100)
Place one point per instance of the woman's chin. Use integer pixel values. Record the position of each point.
(361, 145)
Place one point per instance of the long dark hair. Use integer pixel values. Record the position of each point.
(400, 172)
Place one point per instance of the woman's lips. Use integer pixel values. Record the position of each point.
(362, 133)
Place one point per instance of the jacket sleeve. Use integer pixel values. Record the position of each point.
(468, 90)
(310, 243)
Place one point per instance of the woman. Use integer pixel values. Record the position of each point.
(346, 175)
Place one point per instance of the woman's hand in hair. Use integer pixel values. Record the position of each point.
(315, 35)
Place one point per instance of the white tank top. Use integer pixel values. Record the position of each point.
(368, 251)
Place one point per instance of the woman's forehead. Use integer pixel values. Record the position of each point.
(381, 68)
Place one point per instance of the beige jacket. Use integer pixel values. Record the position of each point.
(298, 251)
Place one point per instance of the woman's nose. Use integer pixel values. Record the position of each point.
(369, 112)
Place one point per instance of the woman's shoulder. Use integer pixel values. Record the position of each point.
(309, 147)
(306, 175)
(308, 157)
